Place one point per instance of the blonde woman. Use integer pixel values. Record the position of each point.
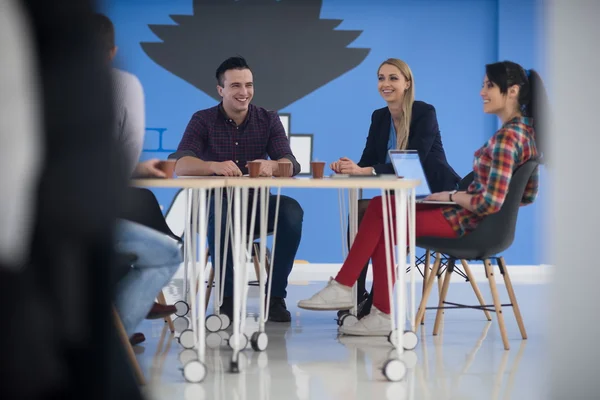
(403, 124)
(518, 98)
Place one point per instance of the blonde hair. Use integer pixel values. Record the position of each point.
(407, 102)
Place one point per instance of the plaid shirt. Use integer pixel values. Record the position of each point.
(494, 164)
(212, 136)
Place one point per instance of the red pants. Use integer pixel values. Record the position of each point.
(370, 244)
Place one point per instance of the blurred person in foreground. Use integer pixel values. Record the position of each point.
(61, 341)
(156, 255)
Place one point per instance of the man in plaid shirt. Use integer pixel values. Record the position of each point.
(221, 141)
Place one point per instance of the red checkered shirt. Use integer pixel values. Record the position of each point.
(493, 167)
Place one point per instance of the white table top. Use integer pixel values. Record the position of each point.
(325, 183)
(208, 182)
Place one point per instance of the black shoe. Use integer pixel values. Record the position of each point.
(227, 307)
(278, 311)
(361, 300)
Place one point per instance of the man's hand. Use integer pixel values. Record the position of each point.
(266, 167)
(148, 169)
(440, 196)
(335, 167)
(225, 168)
(347, 166)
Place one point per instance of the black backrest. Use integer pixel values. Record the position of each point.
(499, 228)
(496, 232)
(464, 183)
(141, 206)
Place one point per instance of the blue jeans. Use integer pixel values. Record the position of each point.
(158, 258)
(289, 232)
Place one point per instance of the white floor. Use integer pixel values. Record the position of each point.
(308, 360)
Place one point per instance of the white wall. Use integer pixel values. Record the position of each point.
(574, 33)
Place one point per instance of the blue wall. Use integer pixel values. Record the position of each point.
(446, 43)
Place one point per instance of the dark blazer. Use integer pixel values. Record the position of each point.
(424, 137)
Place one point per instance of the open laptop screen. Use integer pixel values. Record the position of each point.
(407, 164)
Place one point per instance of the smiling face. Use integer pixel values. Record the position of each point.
(496, 102)
(392, 84)
(237, 90)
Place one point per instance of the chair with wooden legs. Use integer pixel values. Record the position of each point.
(492, 236)
(448, 265)
(425, 259)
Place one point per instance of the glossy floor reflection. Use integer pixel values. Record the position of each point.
(307, 360)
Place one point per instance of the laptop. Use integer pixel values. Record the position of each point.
(407, 165)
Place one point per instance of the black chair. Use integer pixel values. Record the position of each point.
(445, 261)
(492, 236)
(140, 205)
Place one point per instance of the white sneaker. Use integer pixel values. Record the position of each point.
(334, 296)
(376, 323)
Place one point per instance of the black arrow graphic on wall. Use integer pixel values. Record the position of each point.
(291, 50)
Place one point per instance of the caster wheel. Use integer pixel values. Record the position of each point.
(411, 340)
(213, 323)
(394, 370)
(259, 341)
(181, 324)
(194, 371)
(348, 320)
(233, 342)
(225, 321)
(186, 339)
(182, 308)
(187, 355)
(213, 340)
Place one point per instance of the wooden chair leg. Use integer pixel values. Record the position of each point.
(139, 375)
(431, 276)
(209, 285)
(163, 301)
(513, 298)
(440, 312)
(428, 287)
(440, 280)
(425, 276)
(489, 270)
(475, 288)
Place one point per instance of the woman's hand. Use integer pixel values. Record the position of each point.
(440, 196)
(347, 166)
